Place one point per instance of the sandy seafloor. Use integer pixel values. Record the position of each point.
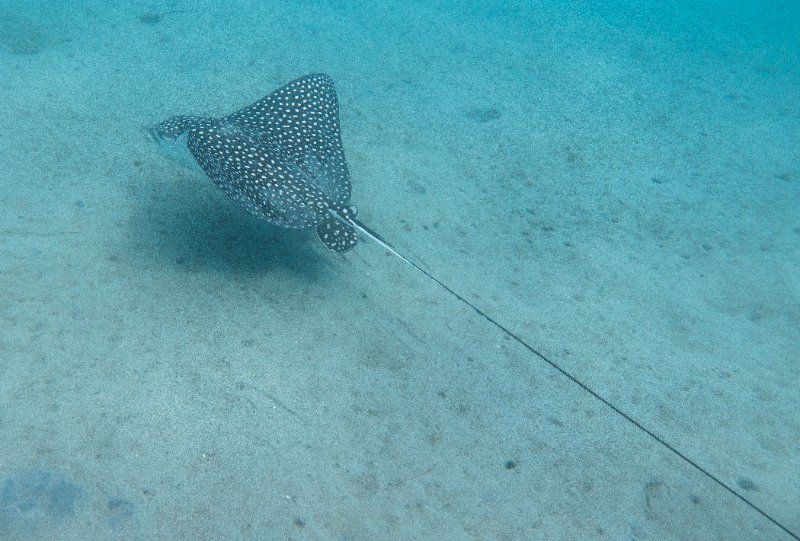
(618, 184)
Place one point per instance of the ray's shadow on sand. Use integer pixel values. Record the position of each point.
(188, 222)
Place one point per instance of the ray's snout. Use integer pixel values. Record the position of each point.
(171, 144)
(151, 132)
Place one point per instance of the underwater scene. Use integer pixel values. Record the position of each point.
(422, 270)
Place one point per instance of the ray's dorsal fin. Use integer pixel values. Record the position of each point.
(337, 235)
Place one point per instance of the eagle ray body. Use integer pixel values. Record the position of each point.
(280, 158)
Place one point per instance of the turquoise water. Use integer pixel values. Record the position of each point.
(612, 192)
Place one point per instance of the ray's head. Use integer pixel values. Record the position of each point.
(172, 128)
(171, 135)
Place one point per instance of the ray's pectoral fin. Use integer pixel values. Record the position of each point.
(337, 235)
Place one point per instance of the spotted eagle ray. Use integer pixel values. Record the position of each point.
(280, 158)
